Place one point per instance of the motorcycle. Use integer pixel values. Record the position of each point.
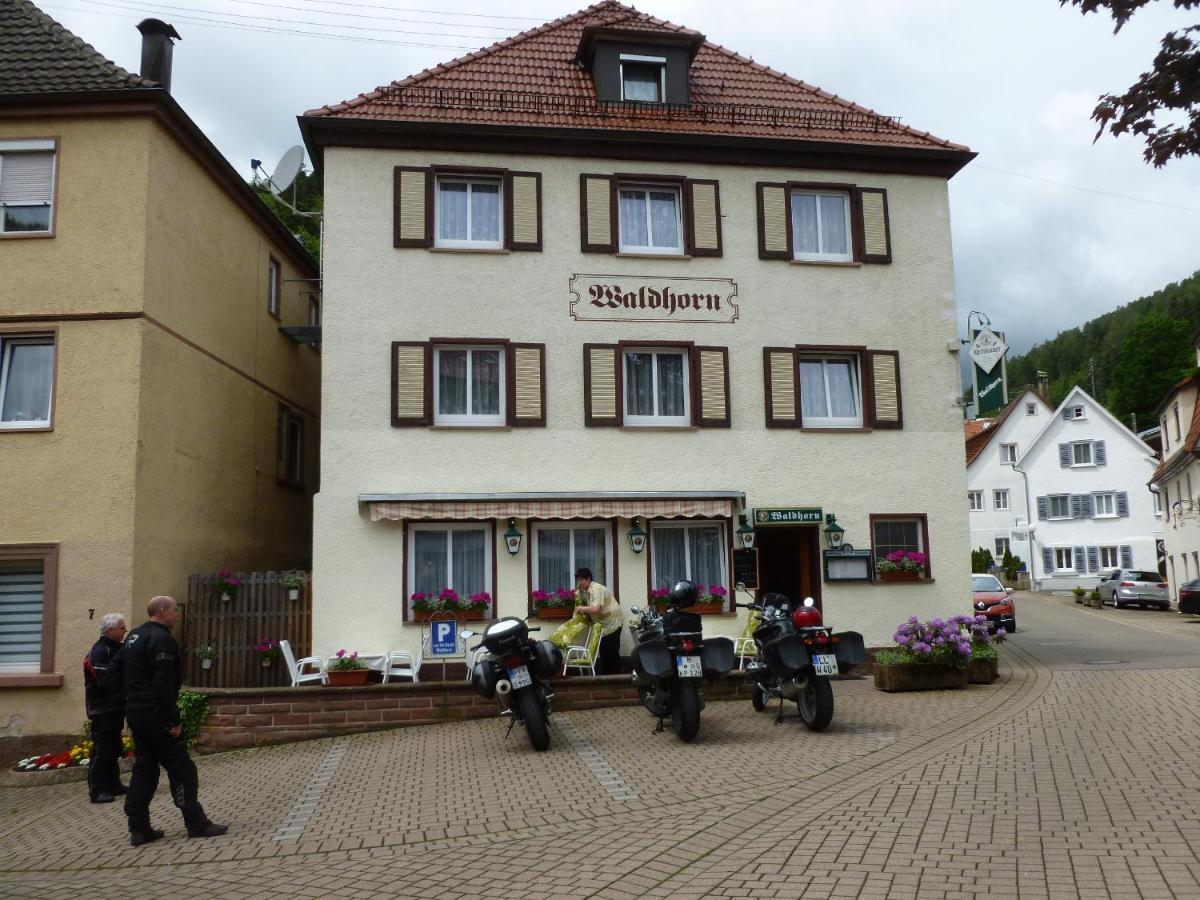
(512, 671)
(671, 658)
(797, 654)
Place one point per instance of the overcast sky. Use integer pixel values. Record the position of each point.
(1049, 229)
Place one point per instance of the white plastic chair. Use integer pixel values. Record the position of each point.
(469, 655)
(402, 664)
(299, 669)
(584, 658)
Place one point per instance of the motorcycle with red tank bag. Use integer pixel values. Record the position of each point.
(672, 658)
(796, 656)
(513, 671)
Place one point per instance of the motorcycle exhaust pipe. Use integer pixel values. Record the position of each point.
(503, 690)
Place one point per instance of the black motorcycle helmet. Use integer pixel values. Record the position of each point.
(683, 594)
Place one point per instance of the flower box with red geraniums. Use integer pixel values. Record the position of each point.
(464, 609)
(557, 604)
(900, 565)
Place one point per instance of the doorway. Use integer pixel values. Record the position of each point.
(789, 561)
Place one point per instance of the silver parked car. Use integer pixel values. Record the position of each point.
(1129, 587)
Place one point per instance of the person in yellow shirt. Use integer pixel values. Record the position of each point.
(598, 603)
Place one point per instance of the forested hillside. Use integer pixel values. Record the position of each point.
(1139, 350)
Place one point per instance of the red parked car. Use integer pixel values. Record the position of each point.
(992, 599)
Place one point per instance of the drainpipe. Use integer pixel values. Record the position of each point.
(1029, 528)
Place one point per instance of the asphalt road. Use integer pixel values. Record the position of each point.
(1064, 635)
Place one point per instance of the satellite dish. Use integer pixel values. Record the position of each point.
(286, 170)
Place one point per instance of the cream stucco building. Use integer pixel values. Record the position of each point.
(609, 278)
(144, 377)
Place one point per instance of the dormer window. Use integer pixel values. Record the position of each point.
(643, 78)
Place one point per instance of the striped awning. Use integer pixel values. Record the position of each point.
(565, 508)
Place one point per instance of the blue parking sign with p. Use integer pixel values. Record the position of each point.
(443, 639)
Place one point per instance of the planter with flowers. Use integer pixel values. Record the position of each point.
(901, 566)
(267, 651)
(346, 670)
(227, 584)
(464, 609)
(293, 582)
(712, 599)
(557, 604)
(206, 653)
(940, 653)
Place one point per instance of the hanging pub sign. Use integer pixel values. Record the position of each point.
(989, 373)
(652, 298)
(788, 515)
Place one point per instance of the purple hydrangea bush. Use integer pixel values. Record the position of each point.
(952, 641)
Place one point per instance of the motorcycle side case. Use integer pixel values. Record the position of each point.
(483, 678)
(851, 651)
(786, 656)
(652, 661)
(716, 658)
(547, 659)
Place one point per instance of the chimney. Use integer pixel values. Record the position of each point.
(1043, 385)
(156, 50)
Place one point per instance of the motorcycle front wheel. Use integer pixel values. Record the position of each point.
(685, 710)
(758, 698)
(815, 703)
(529, 708)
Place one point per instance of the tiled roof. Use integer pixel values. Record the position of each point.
(981, 438)
(533, 79)
(37, 56)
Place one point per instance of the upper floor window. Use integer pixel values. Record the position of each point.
(1104, 505)
(468, 213)
(1074, 412)
(26, 380)
(1157, 502)
(289, 447)
(27, 187)
(830, 391)
(1031, 409)
(1081, 454)
(314, 310)
(274, 276)
(1162, 430)
(468, 387)
(975, 499)
(1175, 413)
(650, 220)
(1000, 499)
(1058, 506)
(643, 78)
(1008, 454)
(657, 387)
(821, 225)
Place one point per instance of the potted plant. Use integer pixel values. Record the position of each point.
(711, 599)
(346, 670)
(901, 566)
(1079, 593)
(929, 655)
(984, 664)
(227, 584)
(556, 604)
(206, 653)
(293, 581)
(1095, 600)
(267, 651)
(425, 606)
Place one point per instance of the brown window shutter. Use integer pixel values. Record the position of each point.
(710, 367)
(523, 211)
(598, 213)
(413, 207)
(705, 199)
(882, 376)
(774, 221)
(876, 230)
(526, 385)
(412, 385)
(601, 385)
(780, 380)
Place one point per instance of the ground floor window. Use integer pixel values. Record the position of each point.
(456, 557)
(560, 549)
(904, 533)
(1002, 547)
(1109, 558)
(695, 551)
(28, 579)
(1064, 559)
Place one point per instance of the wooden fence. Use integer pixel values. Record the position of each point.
(259, 609)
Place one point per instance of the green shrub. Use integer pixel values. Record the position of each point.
(193, 710)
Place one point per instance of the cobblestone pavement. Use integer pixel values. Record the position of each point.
(1053, 782)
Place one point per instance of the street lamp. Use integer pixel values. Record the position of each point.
(745, 532)
(834, 533)
(637, 537)
(512, 537)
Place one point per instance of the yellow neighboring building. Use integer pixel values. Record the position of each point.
(154, 419)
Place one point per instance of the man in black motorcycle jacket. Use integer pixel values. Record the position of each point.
(105, 712)
(152, 674)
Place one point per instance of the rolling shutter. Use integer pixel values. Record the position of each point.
(1099, 457)
(412, 364)
(601, 385)
(597, 215)
(1047, 560)
(710, 367)
(780, 376)
(706, 218)
(1122, 503)
(523, 210)
(1126, 556)
(1080, 559)
(527, 385)
(413, 207)
(1093, 554)
(1042, 508)
(883, 378)
(1064, 455)
(876, 230)
(27, 177)
(774, 221)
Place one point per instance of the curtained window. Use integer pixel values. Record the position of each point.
(450, 556)
(26, 381)
(468, 213)
(657, 388)
(830, 392)
(695, 551)
(821, 226)
(468, 387)
(650, 220)
(561, 549)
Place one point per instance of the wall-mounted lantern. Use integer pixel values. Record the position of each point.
(637, 536)
(745, 532)
(512, 537)
(834, 533)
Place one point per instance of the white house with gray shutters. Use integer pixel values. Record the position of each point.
(1091, 512)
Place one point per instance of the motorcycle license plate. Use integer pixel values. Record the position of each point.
(519, 677)
(825, 663)
(688, 666)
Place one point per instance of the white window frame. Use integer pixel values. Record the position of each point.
(660, 61)
(1105, 498)
(1008, 454)
(1000, 499)
(975, 500)
(1162, 431)
(27, 339)
(35, 146)
(1070, 555)
(1175, 412)
(410, 559)
(684, 524)
(657, 420)
(1031, 409)
(855, 421)
(1110, 557)
(469, 181)
(652, 248)
(1002, 544)
(604, 525)
(820, 256)
(1091, 455)
(469, 419)
(274, 288)
(1157, 502)
(1065, 498)
(1078, 412)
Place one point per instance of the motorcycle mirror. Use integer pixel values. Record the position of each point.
(635, 610)
(808, 602)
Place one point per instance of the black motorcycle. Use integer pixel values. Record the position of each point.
(672, 657)
(797, 655)
(513, 672)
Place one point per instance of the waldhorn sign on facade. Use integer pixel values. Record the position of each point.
(652, 298)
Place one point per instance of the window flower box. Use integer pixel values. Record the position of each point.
(559, 604)
(902, 575)
(459, 615)
(463, 609)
